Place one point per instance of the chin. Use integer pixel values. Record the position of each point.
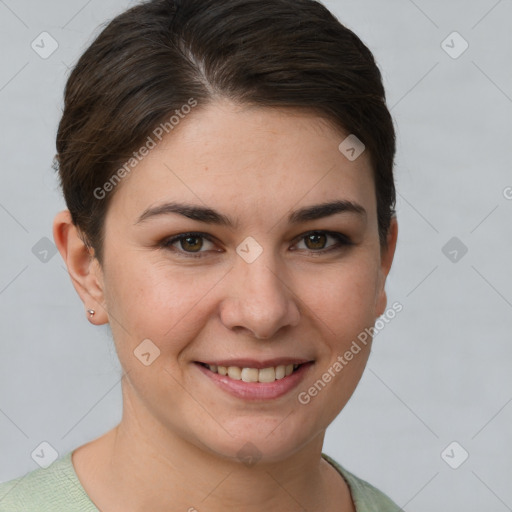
(258, 438)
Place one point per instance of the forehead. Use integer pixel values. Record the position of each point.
(250, 160)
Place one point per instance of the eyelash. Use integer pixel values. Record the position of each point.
(342, 240)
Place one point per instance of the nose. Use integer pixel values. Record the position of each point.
(259, 298)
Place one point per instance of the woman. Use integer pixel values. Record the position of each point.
(228, 171)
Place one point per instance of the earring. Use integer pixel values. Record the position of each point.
(91, 312)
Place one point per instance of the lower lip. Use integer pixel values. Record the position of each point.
(257, 390)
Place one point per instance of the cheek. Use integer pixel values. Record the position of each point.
(345, 297)
(158, 301)
(344, 305)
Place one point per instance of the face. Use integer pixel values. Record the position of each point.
(252, 278)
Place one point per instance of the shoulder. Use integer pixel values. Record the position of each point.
(365, 496)
(46, 490)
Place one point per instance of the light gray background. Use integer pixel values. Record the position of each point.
(439, 372)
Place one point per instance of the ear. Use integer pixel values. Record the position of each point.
(386, 259)
(83, 267)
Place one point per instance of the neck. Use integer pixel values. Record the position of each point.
(140, 465)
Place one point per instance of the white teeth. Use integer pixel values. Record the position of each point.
(234, 372)
(280, 371)
(250, 374)
(269, 374)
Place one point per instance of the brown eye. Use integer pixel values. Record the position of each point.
(315, 240)
(191, 243)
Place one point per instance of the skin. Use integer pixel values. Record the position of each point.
(176, 445)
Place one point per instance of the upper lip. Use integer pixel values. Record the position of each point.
(254, 363)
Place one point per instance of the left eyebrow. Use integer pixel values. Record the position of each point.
(211, 216)
(319, 211)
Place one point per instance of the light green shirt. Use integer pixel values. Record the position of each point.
(57, 489)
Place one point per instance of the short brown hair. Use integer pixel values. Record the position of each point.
(151, 59)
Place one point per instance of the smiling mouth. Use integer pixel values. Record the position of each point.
(263, 375)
